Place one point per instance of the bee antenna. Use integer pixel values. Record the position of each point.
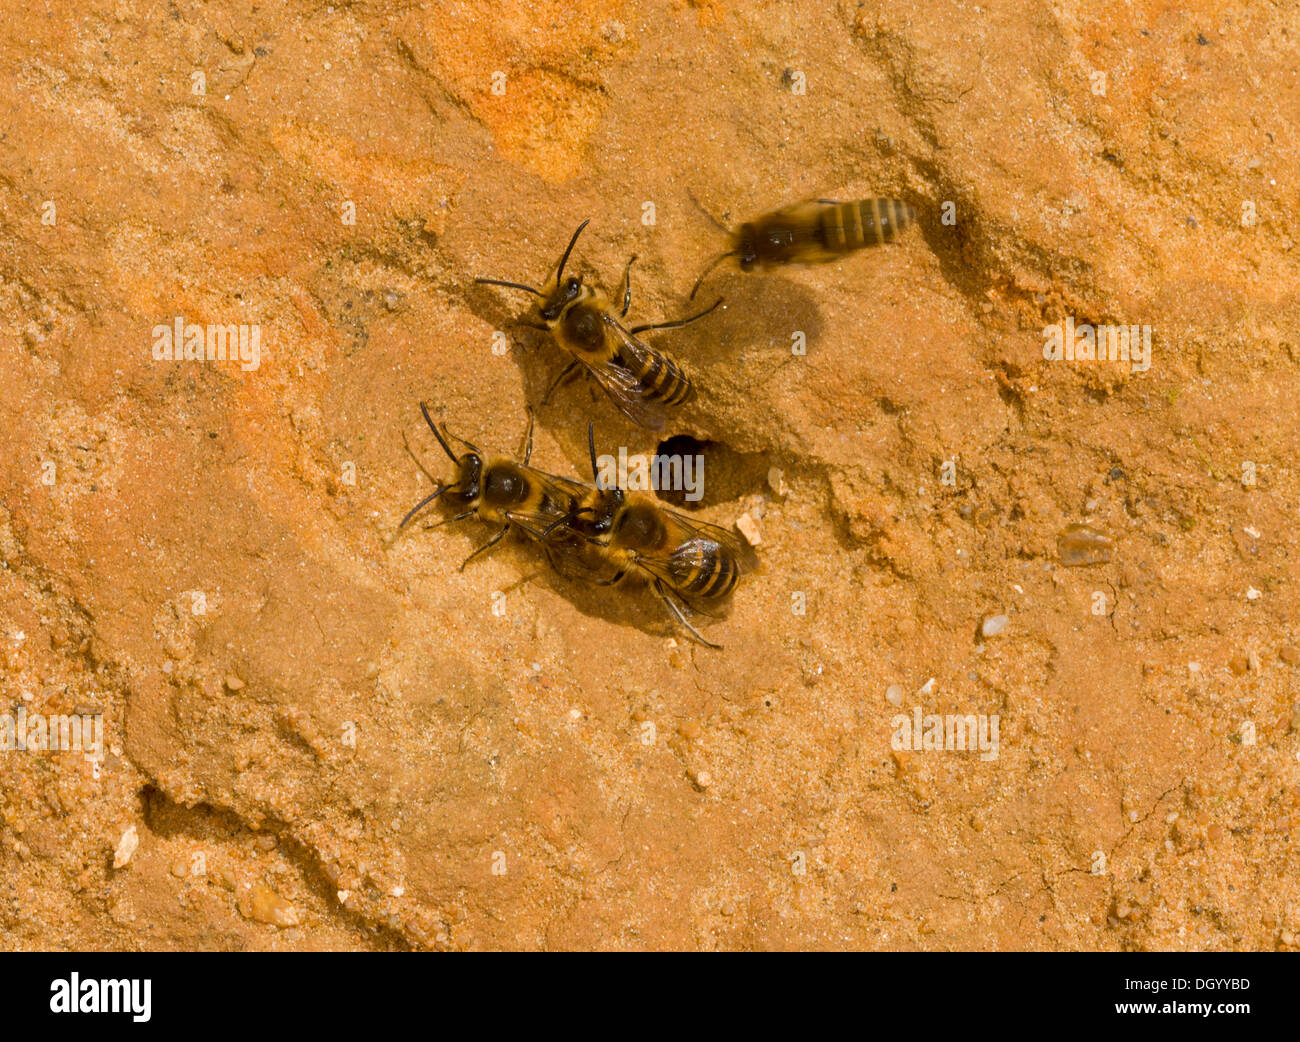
(437, 434)
(707, 213)
(511, 285)
(591, 448)
(711, 265)
(421, 505)
(468, 444)
(565, 259)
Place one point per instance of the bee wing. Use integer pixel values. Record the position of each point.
(572, 555)
(671, 567)
(693, 531)
(623, 385)
(577, 558)
(689, 537)
(561, 498)
(805, 211)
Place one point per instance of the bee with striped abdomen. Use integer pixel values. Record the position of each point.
(500, 491)
(697, 562)
(641, 380)
(814, 232)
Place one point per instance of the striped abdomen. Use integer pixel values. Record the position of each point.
(703, 568)
(844, 227)
(659, 378)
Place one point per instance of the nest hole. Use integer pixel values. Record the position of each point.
(705, 473)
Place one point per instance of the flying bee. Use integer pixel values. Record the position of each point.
(814, 232)
(501, 492)
(641, 380)
(696, 562)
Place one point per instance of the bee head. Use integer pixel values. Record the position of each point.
(469, 479)
(595, 517)
(561, 297)
(747, 246)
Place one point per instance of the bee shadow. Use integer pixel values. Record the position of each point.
(632, 603)
(761, 312)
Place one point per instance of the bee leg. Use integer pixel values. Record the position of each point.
(659, 588)
(679, 322)
(829, 202)
(532, 325)
(564, 375)
(610, 582)
(486, 546)
(528, 439)
(627, 286)
(449, 520)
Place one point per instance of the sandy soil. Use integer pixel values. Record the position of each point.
(322, 741)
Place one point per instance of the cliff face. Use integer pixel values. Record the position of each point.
(324, 739)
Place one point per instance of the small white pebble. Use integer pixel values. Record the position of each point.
(1193, 667)
(1252, 594)
(776, 481)
(748, 527)
(894, 694)
(126, 846)
(575, 714)
(1253, 533)
(994, 625)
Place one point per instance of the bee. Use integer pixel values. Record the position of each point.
(641, 380)
(501, 492)
(814, 232)
(692, 561)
